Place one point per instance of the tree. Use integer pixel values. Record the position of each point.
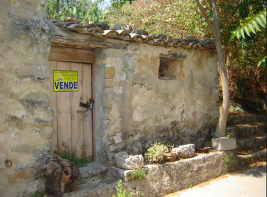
(85, 11)
(251, 25)
(221, 127)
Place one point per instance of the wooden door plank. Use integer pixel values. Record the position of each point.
(87, 94)
(77, 118)
(71, 50)
(53, 96)
(64, 112)
(71, 57)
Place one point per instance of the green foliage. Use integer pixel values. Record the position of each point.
(120, 191)
(228, 160)
(85, 11)
(155, 152)
(251, 25)
(38, 194)
(174, 18)
(138, 174)
(190, 186)
(262, 62)
(236, 109)
(119, 3)
(72, 156)
(229, 135)
(178, 131)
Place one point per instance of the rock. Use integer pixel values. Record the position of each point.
(185, 150)
(128, 28)
(161, 36)
(123, 160)
(191, 39)
(117, 26)
(141, 32)
(103, 25)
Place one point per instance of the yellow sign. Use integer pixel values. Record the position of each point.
(65, 81)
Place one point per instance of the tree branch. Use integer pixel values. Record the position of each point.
(205, 16)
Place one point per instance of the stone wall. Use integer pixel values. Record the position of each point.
(25, 112)
(133, 107)
(171, 177)
(138, 108)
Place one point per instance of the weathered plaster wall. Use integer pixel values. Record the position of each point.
(25, 114)
(139, 109)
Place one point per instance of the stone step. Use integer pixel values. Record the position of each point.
(246, 130)
(92, 173)
(245, 160)
(250, 143)
(103, 188)
(237, 119)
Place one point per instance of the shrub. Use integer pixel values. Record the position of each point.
(72, 156)
(120, 191)
(138, 174)
(155, 152)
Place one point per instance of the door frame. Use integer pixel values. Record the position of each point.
(76, 55)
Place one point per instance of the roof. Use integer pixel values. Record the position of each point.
(126, 35)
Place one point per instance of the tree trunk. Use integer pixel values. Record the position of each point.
(221, 127)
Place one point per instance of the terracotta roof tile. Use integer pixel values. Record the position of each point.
(188, 42)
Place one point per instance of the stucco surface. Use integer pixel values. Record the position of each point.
(26, 115)
(138, 108)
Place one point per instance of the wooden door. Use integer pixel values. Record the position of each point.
(69, 126)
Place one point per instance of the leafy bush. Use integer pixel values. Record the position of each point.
(72, 156)
(120, 191)
(155, 152)
(38, 194)
(237, 109)
(138, 174)
(85, 11)
(228, 160)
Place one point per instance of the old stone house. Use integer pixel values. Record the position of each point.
(143, 89)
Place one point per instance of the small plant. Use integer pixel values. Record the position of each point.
(38, 194)
(120, 191)
(156, 152)
(138, 174)
(229, 135)
(72, 156)
(178, 131)
(237, 109)
(228, 160)
(190, 186)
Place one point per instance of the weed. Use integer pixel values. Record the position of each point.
(236, 109)
(155, 152)
(72, 156)
(38, 194)
(120, 191)
(138, 174)
(228, 160)
(190, 186)
(178, 131)
(229, 135)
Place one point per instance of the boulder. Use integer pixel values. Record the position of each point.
(117, 26)
(123, 160)
(185, 151)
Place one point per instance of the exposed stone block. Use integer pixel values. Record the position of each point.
(224, 143)
(109, 72)
(109, 83)
(123, 160)
(185, 150)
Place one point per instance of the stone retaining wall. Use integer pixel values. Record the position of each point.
(174, 176)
